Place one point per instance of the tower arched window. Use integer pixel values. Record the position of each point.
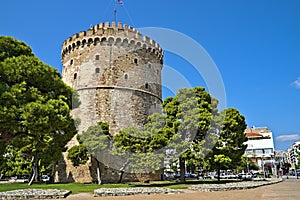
(135, 61)
(97, 57)
(71, 62)
(146, 85)
(75, 76)
(126, 76)
(97, 70)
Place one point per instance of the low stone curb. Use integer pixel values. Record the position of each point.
(34, 194)
(233, 186)
(133, 191)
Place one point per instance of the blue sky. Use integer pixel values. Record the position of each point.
(255, 45)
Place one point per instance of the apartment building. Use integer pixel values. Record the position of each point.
(260, 148)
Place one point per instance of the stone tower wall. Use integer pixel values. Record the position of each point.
(117, 74)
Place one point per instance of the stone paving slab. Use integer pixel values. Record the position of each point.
(133, 191)
(34, 194)
(233, 186)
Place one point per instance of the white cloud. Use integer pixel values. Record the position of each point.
(288, 138)
(296, 83)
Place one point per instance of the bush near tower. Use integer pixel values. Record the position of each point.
(35, 104)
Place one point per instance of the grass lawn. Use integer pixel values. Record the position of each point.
(74, 187)
(89, 188)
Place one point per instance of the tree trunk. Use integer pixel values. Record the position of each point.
(122, 171)
(121, 177)
(219, 173)
(53, 170)
(37, 170)
(33, 170)
(98, 172)
(182, 169)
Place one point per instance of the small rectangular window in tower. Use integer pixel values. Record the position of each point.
(97, 70)
(75, 76)
(71, 62)
(97, 57)
(126, 76)
(135, 61)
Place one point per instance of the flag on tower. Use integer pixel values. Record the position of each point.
(120, 2)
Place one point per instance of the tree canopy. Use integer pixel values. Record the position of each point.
(10, 47)
(229, 148)
(188, 117)
(35, 104)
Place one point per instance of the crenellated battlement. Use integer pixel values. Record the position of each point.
(120, 35)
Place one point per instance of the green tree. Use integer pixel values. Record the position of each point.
(230, 147)
(189, 115)
(15, 163)
(9, 47)
(34, 104)
(96, 143)
(142, 151)
(97, 140)
(246, 164)
(78, 155)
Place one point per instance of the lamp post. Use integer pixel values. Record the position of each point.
(274, 170)
(263, 165)
(247, 164)
(248, 157)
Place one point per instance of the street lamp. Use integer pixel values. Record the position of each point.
(263, 165)
(274, 164)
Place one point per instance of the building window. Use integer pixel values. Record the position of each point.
(126, 76)
(97, 57)
(258, 151)
(75, 76)
(146, 86)
(135, 61)
(249, 151)
(71, 62)
(149, 65)
(97, 70)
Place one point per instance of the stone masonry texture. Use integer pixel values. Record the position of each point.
(117, 74)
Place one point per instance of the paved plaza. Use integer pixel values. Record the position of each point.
(289, 189)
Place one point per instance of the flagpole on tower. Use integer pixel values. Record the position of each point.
(120, 2)
(115, 14)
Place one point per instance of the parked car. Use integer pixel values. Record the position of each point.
(222, 176)
(169, 176)
(191, 176)
(232, 176)
(45, 178)
(206, 177)
(245, 176)
(187, 176)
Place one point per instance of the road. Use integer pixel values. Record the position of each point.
(289, 189)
